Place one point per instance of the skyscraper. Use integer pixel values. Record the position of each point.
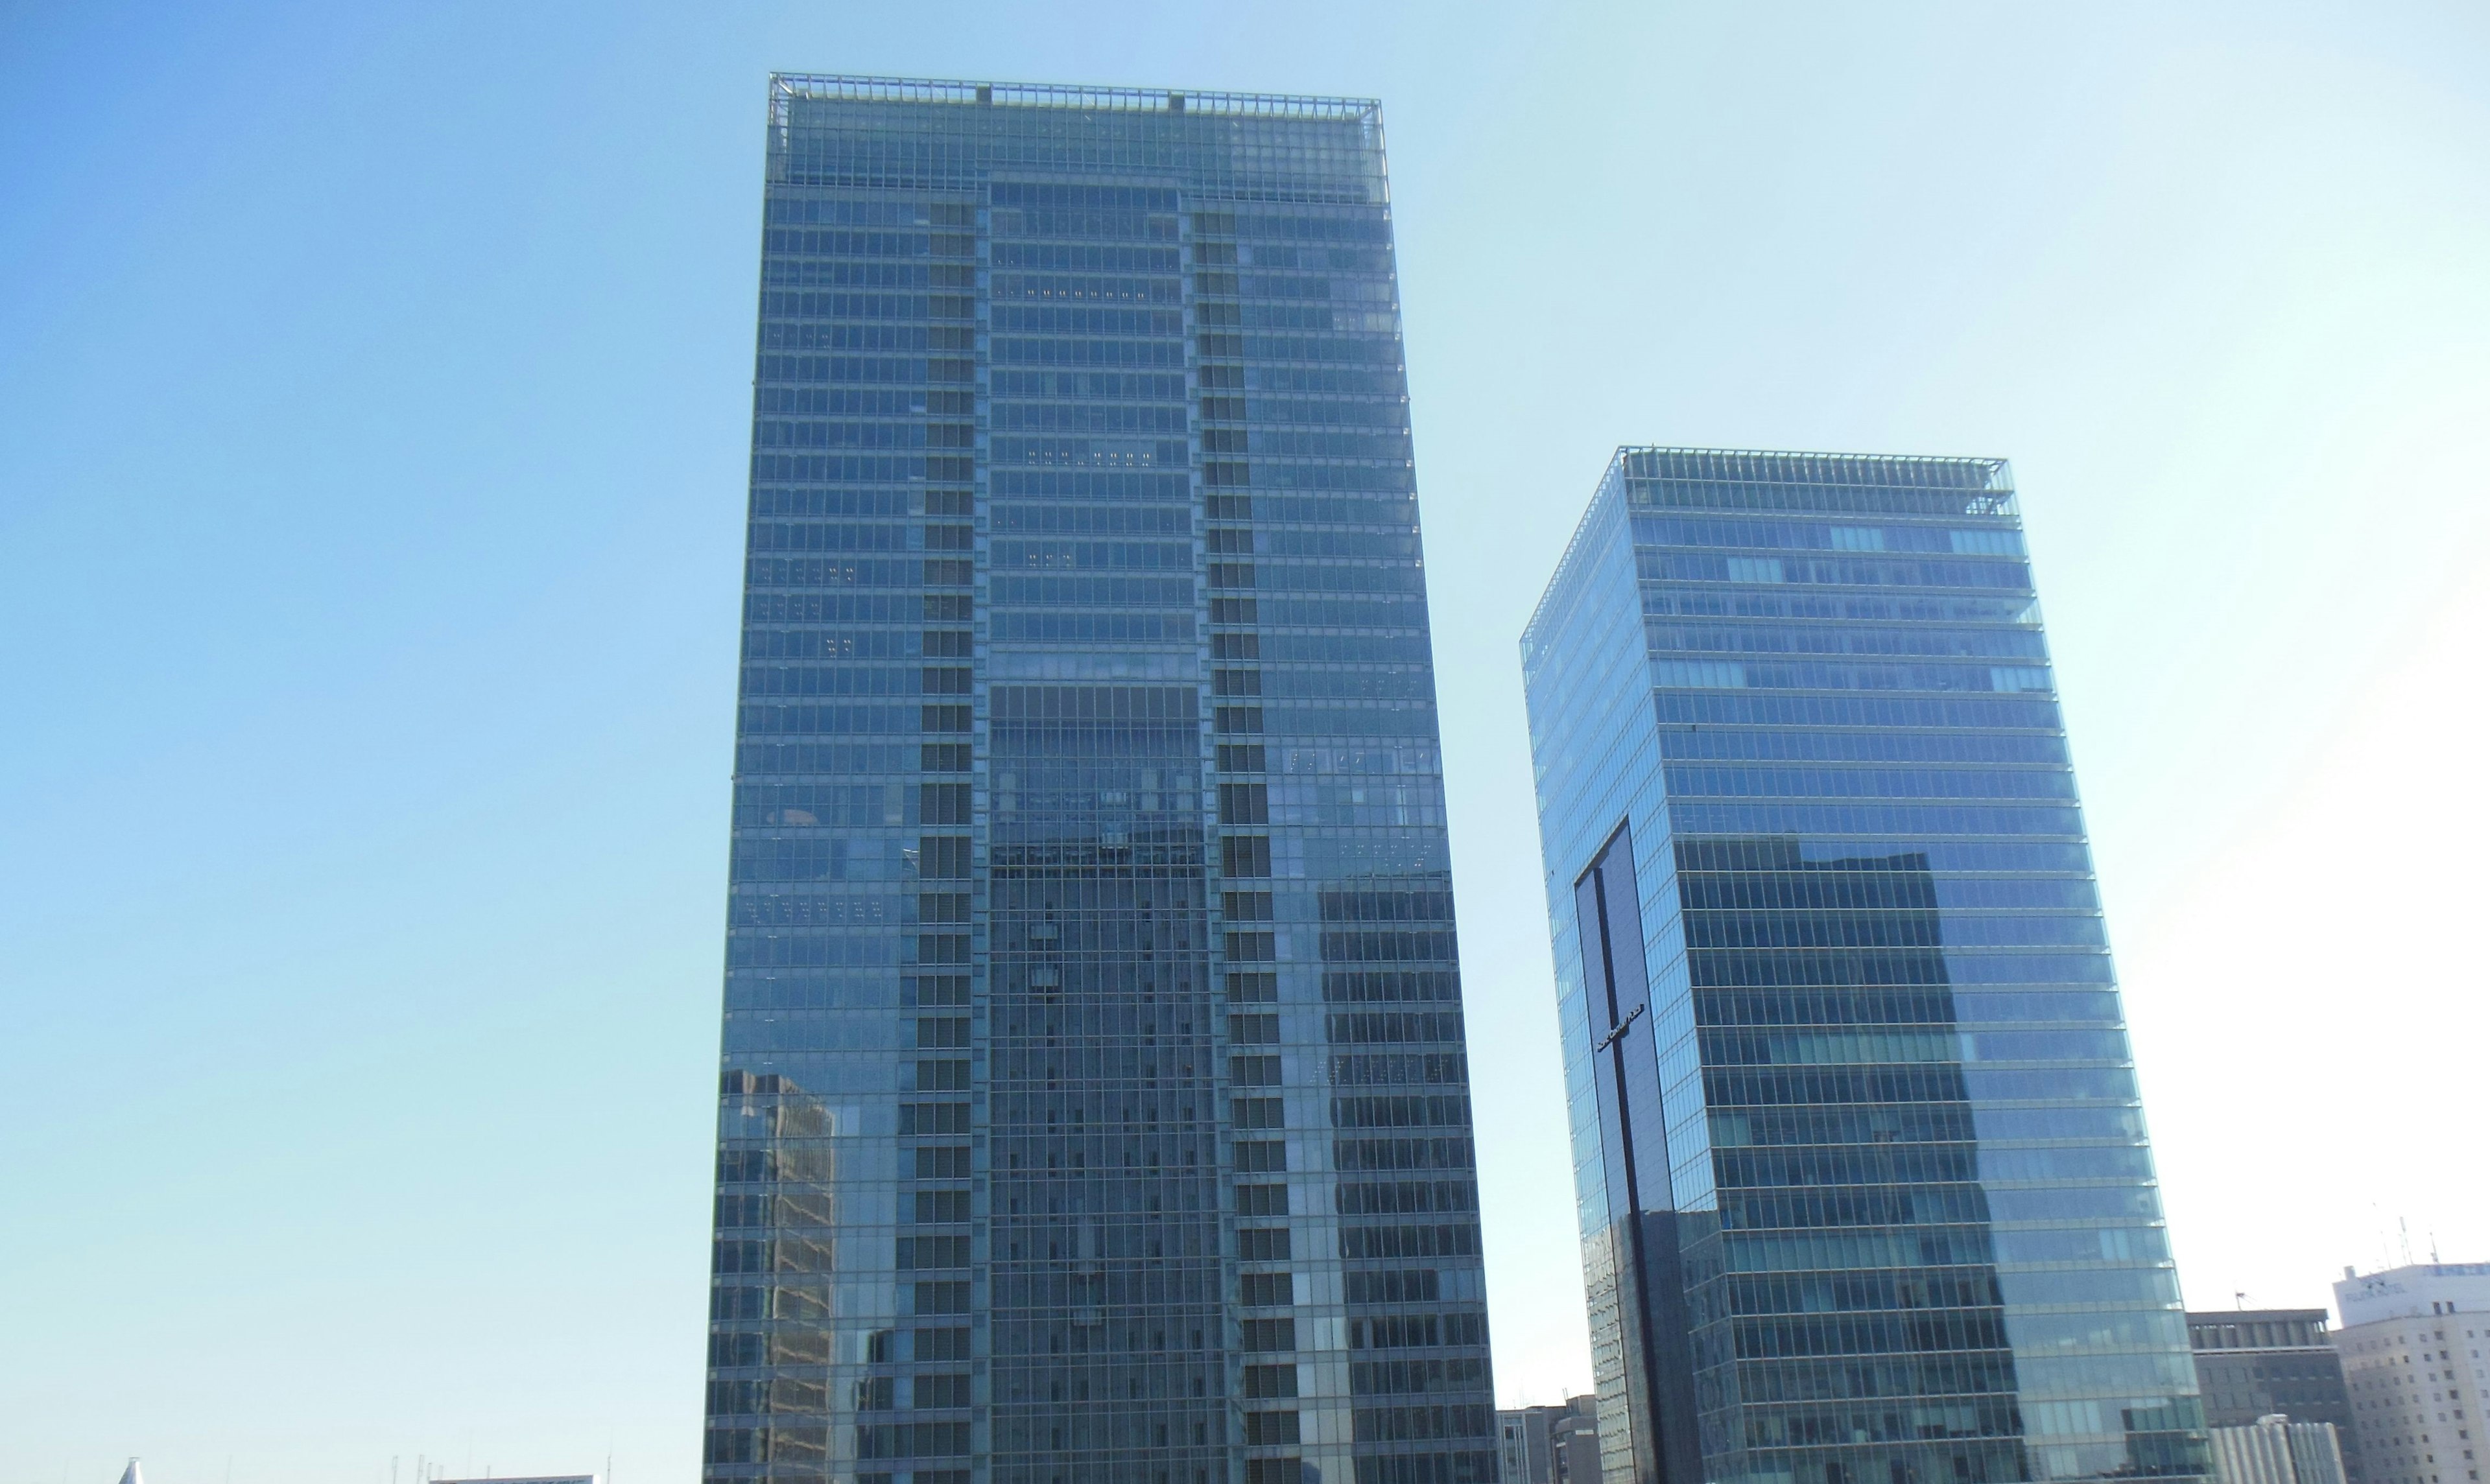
(1864, 1187)
(1094, 1105)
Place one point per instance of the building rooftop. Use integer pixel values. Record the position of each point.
(1070, 95)
(2256, 1328)
(2414, 1291)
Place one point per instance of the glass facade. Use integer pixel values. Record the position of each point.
(1865, 1189)
(1094, 1102)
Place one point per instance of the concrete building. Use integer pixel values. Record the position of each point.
(2255, 1363)
(2276, 1450)
(2411, 1342)
(1550, 1444)
(1577, 1447)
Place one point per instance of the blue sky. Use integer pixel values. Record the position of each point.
(372, 413)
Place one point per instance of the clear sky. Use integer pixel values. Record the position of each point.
(373, 399)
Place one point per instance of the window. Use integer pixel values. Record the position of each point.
(1267, 1290)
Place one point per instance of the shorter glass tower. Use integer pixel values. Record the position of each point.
(1865, 1189)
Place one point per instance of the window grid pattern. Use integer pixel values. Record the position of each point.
(1095, 1103)
(1251, 150)
(1921, 1239)
(1331, 782)
(2418, 1386)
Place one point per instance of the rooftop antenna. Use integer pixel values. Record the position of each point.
(2240, 1298)
(2433, 1249)
(2404, 1228)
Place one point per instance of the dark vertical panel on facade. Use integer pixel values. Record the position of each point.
(1643, 1223)
(1108, 1343)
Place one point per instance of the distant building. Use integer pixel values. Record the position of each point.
(2255, 1363)
(1550, 1444)
(1576, 1442)
(2411, 1341)
(2277, 1450)
(1523, 1454)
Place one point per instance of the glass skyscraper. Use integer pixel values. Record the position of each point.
(1864, 1191)
(1094, 1105)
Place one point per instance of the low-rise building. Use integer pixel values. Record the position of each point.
(2411, 1342)
(1550, 1444)
(2256, 1364)
(2276, 1450)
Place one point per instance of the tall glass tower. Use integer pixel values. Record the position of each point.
(1864, 1191)
(1094, 1107)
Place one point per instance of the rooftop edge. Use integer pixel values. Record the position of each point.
(785, 87)
(1626, 449)
(1999, 478)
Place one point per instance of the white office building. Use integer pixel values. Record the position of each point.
(2411, 1342)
